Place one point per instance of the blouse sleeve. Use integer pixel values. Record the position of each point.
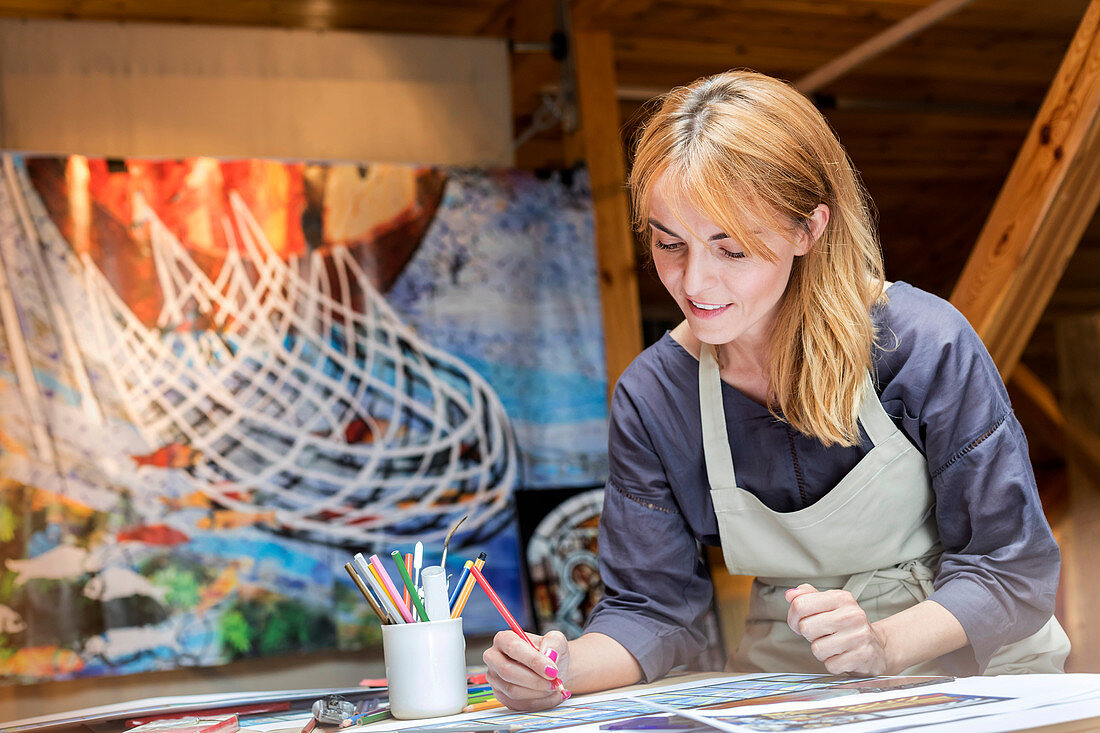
(656, 588)
(999, 570)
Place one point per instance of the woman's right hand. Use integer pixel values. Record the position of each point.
(522, 677)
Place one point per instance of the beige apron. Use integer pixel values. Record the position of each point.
(874, 534)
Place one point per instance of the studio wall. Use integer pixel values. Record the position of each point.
(147, 90)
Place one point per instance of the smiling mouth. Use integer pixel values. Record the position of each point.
(706, 310)
(706, 306)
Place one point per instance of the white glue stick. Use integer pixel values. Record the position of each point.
(435, 593)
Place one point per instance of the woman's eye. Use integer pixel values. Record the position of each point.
(666, 245)
(733, 255)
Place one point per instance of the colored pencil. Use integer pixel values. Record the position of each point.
(418, 562)
(468, 588)
(483, 705)
(479, 692)
(461, 583)
(403, 571)
(470, 726)
(408, 569)
(366, 593)
(371, 595)
(371, 576)
(482, 697)
(239, 710)
(367, 718)
(511, 620)
(387, 583)
(382, 590)
(366, 572)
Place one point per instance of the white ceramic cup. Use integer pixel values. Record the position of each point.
(425, 668)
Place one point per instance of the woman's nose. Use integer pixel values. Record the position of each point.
(697, 270)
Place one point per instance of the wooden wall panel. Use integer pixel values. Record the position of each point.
(151, 90)
(1078, 341)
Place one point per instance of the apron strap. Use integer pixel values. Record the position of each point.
(716, 444)
(914, 576)
(872, 415)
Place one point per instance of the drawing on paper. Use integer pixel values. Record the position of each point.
(858, 713)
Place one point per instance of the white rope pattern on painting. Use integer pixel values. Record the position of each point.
(283, 365)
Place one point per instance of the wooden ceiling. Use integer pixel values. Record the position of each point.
(933, 124)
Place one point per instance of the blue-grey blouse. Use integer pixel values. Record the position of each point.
(999, 569)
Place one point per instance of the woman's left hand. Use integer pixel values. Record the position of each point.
(837, 628)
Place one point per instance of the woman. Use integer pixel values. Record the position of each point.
(883, 496)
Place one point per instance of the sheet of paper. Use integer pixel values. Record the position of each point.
(998, 702)
(155, 705)
(994, 701)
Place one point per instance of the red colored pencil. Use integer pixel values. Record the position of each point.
(511, 621)
(254, 709)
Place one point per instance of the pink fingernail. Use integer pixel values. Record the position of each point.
(551, 672)
(565, 695)
(553, 654)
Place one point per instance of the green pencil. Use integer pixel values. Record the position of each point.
(368, 718)
(413, 594)
(478, 696)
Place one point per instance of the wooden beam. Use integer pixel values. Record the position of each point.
(1038, 410)
(1046, 203)
(600, 127)
(532, 22)
(878, 44)
(1078, 340)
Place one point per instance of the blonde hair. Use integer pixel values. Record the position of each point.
(742, 146)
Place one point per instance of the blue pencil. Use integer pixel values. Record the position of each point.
(461, 582)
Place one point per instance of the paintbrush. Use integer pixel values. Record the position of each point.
(447, 542)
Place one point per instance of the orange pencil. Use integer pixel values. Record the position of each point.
(468, 588)
(409, 568)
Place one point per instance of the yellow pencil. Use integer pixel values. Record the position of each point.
(467, 589)
(384, 588)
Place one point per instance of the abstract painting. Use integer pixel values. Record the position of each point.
(219, 379)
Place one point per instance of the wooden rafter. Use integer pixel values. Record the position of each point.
(1046, 203)
(1038, 410)
(847, 61)
(879, 43)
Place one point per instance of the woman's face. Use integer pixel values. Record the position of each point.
(725, 294)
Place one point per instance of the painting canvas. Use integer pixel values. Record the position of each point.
(219, 379)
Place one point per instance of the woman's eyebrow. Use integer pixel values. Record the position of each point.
(658, 225)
